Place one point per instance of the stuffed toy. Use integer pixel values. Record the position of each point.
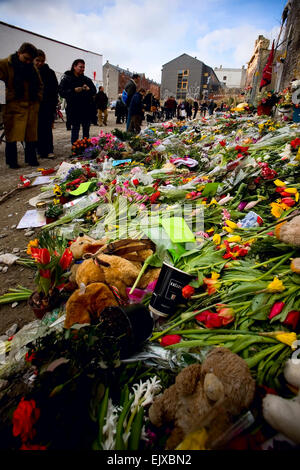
(205, 397)
(110, 267)
(289, 232)
(284, 414)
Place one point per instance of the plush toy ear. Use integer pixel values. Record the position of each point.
(93, 248)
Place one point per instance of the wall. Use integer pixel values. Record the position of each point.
(110, 81)
(291, 47)
(59, 56)
(170, 71)
(255, 67)
(234, 77)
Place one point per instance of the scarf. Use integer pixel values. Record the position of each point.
(22, 73)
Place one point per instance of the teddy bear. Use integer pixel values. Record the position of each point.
(205, 396)
(284, 414)
(289, 232)
(109, 273)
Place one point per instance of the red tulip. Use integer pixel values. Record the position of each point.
(42, 255)
(66, 259)
(222, 142)
(276, 309)
(292, 319)
(213, 320)
(167, 340)
(45, 273)
(187, 291)
(135, 182)
(288, 201)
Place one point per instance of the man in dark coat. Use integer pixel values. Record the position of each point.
(130, 89)
(79, 92)
(196, 107)
(136, 111)
(101, 101)
(24, 92)
(47, 107)
(120, 110)
(211, 107)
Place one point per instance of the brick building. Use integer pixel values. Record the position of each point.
(115, 79)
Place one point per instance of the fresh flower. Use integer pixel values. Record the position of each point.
(276, 285)
(217, 239)
(292, 319)
(167, 340)
(210, 319)
(276, 309)
(32, 244)
(187, 291)
(223, 143)
(153, 198)
(276, 209)
(24, 418)
(287, 338)
(212, 283)
(32, 447)
(41, 255)
(66, 259)
(226, 313)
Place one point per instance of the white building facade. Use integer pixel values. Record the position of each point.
(59, 56)
(232, 78)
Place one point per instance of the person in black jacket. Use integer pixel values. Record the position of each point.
(101, 101)
(120, 110)
(136, 111)
(196, 107)
(130, 89)
(79, 92)
(47, 107)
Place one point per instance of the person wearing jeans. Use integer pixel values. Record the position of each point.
(130, 89)
(101, 101)
(24, 91)
(79, 91)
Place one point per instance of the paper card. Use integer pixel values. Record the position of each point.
(82, 188)
(42, 180)
(32, 219)
(178, 230)
(120, 162)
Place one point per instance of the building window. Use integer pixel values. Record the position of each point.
(224, 78)
(182, 80)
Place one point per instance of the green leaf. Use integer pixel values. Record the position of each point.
(210, 189)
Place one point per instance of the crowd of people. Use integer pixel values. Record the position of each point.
(33, 98)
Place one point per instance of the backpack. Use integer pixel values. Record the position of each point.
(124, 96)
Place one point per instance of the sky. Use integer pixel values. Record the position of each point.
(142, 35)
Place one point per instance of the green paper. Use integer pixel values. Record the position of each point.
(210, 189)
(82, 188)
(178, 230)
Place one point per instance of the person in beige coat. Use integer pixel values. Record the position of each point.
(24, 91)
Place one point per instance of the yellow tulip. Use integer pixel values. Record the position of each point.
(287, 338)
(291, 190)
(217, 239)
(276, 285)
(231, 224)
(276, 209)
(279, 183)
(234, 239)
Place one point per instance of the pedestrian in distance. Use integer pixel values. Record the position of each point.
(47, 111)
(79, 92)
(24, 92)
(211, 107)
(120, 110)
(196, 107)
(136, 110)
(203, 109)
(101, 101)
(130, 88)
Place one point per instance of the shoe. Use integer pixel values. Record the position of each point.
(14, 166)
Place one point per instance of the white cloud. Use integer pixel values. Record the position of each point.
(230, 47)
(140, 35)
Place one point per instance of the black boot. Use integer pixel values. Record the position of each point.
(11, 155)
(30, 154)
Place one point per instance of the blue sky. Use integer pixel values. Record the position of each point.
(142, 35)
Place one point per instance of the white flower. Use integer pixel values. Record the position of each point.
(110, 426)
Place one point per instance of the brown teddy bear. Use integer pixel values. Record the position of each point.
(289, 232)
(207, 395)
(109, 273)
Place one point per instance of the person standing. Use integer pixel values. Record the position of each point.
(24, 92)
(48, 105)
(196, 107)
(211, 107)
(136, 111)
(79, 92)
(203, 109)
(130, 89)
(101, 101)
(120, 111)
